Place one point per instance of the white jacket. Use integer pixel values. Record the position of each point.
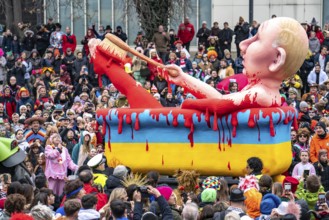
(88, 214)
(311, 79)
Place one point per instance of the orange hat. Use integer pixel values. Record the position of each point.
(212, 53)
(23, 90)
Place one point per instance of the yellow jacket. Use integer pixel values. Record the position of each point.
(100, 179)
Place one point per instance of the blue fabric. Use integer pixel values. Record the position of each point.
(61, 211)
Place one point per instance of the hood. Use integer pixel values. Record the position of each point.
(28, 31)
(88, 214)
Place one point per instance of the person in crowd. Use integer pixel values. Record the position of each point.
(7, 41)
(203, 34)
(317, 76)
(254, 28)
(322, 58)
(120, 34)
(161, 41)
(81, 150)
(90, 35)
(314, 43)
(215, 30)
(115, 180)
(319, 141)
(322, 169)
(56, 38)
(58, 160)
(42, 39)
(299, 169)
(254, 166)
(241, 32)
(69, 40)
(186, 33)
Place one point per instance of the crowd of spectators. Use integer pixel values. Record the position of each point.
(49, 96)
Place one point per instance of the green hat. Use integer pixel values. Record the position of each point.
(9, 53)
(10, 153)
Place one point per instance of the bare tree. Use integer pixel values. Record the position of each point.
(152, 13)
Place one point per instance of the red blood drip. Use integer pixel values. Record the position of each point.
(109, 146)
(157, 116)
(162, 161)
(120, 117)
(192, 163)
(167, 120)
(272, 131)
(286, 121)
(187, 121)
(251, 121)
(104, 126)
(137, 123)
(229, 165)
(219, 145)
(295, 123)
(199, 117)
(190, 135)
(147, 145)
(207, 117)
(234, 122)
(229, 141)
(215, 125)
(128, 119)
(175, 121)
(223, 137)
(268, 113)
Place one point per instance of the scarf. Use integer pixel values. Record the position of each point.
(322, 136)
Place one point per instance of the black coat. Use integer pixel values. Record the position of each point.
(112, 182)
(7, 42)
(28, 43)
(322, 170)
(19, 73)
(203, 35)
(42, 41)
(225, 35)
(241, 32)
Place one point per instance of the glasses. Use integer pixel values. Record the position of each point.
(302, 135)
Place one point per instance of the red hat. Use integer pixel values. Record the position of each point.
(165, 191)
(293, 181)
(178, 42)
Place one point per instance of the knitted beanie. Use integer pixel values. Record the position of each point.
(165, 191)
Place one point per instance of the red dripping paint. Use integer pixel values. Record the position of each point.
(251, 120)
(147, 145)
(199, 117)
(190, 135)
(219, 145)
(286, 121)
(162, 161)
(187, 121)
(120, 123)
(128, 119)
(175, 121)
(137, 123)
(229, 142)
(223, 136)
(192, 163)
(229, 165)
(295, 123)
(167, 120)
(234, 122)
(104, 126)
(109, 146)
(207, 117)
(215, 125)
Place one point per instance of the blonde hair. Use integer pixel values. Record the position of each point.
(294, 43)
(232, 216)
(117, 193)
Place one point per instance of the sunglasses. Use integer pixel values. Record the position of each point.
(302, 135)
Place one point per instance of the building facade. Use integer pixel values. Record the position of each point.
(82, 14)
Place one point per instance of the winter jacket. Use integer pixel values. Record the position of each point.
(241, 32)
(322, 170)
(68, 61)
(7, 43)
(160, 207)
(3, 63)
(225, 35)
(77, 65)
(161, 41)
(311, 79)
(184, 64)
(42, 40)
(28, 43)
(316, 145)
(112, 182)
(9, 104)
(24, 101)
(56, 39)
(298, 171)
(19, 73)
(69, 41)
(203, 34)
(314, 45)
(310, 198)
(185, 32)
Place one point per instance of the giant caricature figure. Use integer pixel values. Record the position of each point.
(214, 134)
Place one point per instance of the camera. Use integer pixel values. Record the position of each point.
(306, 173)
(143, 191)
